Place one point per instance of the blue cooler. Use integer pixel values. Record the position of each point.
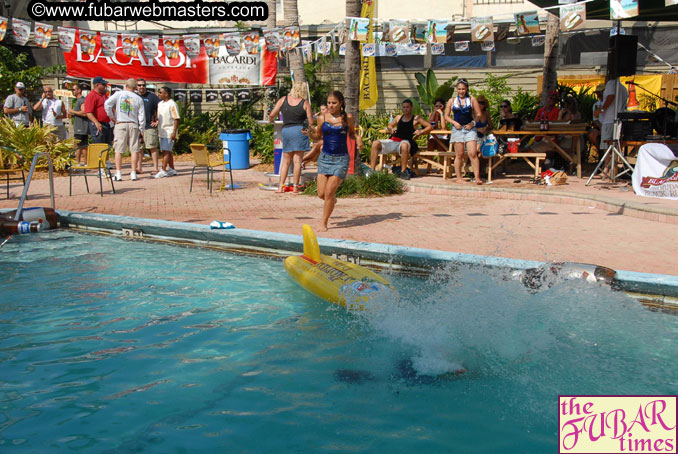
(238, 141)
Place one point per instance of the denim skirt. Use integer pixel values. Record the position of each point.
(294, 140)
(333, 165)
(463, 135)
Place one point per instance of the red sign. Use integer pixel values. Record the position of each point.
(182, 69)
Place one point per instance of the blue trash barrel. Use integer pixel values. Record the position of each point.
(277, 146)
(238, 141)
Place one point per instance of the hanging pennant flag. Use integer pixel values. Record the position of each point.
(244, 95)
(306, 53)
(450, 33)
(397, 32)
(291, 37)
(369, 49)
(342, 49)
(502, 32)
(149, 46)
(390, 50)
(482, 29)
(343, 34)
(572, 17)
(272, 38)
(333, 40)
(42, 34)
(527, 23)
(326, 48)
(21, 30)
(538, 40)
(227, 95)
(195, 95)
(109, 43)
(180, 94)
(170, 45)
(487, 46)
(212, 45)
(251, 41)
(3, 27)
(438, 49)
(623, 9)
(461, 46)
(88, 41)
(357, 31)
(232, 43)
(437, 31)
(130, 44)
(66, 38)
(419, 33)
(192, 45)
(212, 95)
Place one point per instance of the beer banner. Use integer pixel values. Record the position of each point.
(291, 37)
(3, 27)
(170, 44)
(368, 74)
(88, 41)
(130, 44)
(419, 33)
(42, 34)
(487, 46)
(527, 23)
(437, 31)
(66, 38)
(572, 17)
(21, 30)
(390, 50)
(368, 49)
(482, 29)
(272, 38)
(109, 43)
(227, 95)
(149, 46)
(192, 45)
(195, 95)
(656, 172)
(244, 95)
(251, 41)
(245, 68)
(623, 9)
(461, 46)
(212, 95)
(180, 95)
(357, 30)
(538, 40)
(342, 49)
(182, 69)
(212, 46)
(437, 49)
(397, 32)
(232, 43)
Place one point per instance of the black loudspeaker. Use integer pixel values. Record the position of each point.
(621, 57)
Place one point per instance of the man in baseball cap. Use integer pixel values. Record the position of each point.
(17, 106)
(99, 80)
(99, 127)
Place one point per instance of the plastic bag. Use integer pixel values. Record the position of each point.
(489, 146)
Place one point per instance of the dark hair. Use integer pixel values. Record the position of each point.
(141, 80)
(340, 97)
(439, 100)
(461, 80)
(168, 90)
(408, 101)
(323, 104)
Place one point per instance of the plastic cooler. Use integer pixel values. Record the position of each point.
(238, 141)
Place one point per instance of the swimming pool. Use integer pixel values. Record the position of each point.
(110, 345)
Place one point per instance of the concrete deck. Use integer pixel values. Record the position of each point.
(605, 224)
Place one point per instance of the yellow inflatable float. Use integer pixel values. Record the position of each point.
(335, 281)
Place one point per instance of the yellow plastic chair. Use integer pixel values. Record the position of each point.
(97, 155)
(8, 168)
(201, 158)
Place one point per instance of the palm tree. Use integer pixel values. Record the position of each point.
(352, 64)
(550, 75)
(270, 20)
(296, 60)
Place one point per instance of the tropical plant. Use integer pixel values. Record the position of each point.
(495, 89)
(524, 105)
(29, 141)
(376, 184)
(194, 128)
(429, 90)
(318, 88)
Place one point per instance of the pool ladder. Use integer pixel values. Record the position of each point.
(20, 208)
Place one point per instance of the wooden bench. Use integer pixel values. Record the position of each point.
(491, 165)
(445, 164)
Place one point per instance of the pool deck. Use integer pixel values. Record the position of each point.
(604, 224)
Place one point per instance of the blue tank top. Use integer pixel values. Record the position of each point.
(463, 114)
(334, 139)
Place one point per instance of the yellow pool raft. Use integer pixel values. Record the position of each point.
(336, 281)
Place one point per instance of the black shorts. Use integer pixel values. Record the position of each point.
(82, 140)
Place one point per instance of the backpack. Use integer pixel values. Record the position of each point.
(489, 146)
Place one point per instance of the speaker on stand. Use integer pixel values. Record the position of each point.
(621, 56)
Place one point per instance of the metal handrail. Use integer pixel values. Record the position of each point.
(17, 216)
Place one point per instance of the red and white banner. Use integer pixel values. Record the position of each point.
(245, 68)
(120, 66)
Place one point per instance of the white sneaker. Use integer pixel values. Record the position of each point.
(171, 172)
(161, 174)
(133, 176)
(103, 173)
(117, 177)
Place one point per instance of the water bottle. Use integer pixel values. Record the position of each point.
(221, 225)
(22, 227)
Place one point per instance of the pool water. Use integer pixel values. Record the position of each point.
(118, 346)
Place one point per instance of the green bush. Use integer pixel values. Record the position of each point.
(29, 141)
(378, 184)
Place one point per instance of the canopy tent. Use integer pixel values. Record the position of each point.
(648, 10)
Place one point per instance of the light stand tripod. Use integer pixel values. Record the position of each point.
(614, 150)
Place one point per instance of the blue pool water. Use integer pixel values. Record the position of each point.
(113, 346)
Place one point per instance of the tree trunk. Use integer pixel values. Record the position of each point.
(550, 75)
(296, 59)
(271, 19)
(352, 64)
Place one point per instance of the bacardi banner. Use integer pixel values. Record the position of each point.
(120, 66)
(42, 34)
(656, 172)
(3, 27)
(245, 68)
(21, 30)
(66, 38)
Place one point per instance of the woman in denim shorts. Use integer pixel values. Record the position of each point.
(333, 127)
(463, 111)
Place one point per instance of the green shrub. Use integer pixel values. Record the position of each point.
(32, 140)
(377, 184)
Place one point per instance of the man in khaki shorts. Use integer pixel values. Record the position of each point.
(126, 109)
(151, 142)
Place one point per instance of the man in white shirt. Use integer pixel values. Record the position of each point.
(52, 112)
(168, 125)
(126, 109)
(607, 113)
